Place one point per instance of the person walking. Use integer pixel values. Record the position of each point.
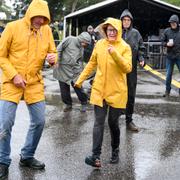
(24, 45)
(94, 38)
(112, 59)
(134, 39)
(171, 39)
(69, 67)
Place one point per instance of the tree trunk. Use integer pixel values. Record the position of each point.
(74, 5)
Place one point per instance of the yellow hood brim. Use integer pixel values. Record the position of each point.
(116, 23)
(37, 8)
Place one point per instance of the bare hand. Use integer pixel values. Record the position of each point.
(169, 44)
(51, 57)
(19, 81)
(142, 63)
(110, 49)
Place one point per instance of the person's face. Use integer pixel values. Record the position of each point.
(37, 21)
(173, 25)
(111, 33)
(126, 22)
(90, 30)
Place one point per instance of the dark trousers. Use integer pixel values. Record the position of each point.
(169, 68)
(98, 129)
(66, 93)
(131, 98)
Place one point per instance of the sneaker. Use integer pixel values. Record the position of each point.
(83, 108)
(115, 156)
(4, 170)
(67, 108)
(31, 163)
(132, 127)
(92, 161)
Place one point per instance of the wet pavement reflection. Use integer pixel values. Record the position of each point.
(153, 153)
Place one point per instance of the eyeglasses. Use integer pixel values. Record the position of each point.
(112, 31)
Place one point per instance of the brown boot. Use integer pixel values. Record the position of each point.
(132, 127)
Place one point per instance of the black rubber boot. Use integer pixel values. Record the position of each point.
(115, 156)
(93, 161)
(4, 169)
(166, 94)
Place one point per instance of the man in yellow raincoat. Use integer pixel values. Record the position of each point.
(113, 60)
(24, 45)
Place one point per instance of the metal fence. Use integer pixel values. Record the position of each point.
(155, 55)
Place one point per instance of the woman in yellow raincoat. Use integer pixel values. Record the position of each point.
(113, 60)
(24, 45)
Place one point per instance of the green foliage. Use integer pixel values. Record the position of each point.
(60, 8)
(20, 6)
(5, 8)
(174, 2)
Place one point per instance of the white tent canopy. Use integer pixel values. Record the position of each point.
(74, 22)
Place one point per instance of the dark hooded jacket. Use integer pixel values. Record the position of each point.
(70, 54)
(134, 39)
(169, 33)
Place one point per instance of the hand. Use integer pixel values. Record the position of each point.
(111, 49)
(169, 44)
(19, 81)
(142, 63)
(77, 85)
(51, 57)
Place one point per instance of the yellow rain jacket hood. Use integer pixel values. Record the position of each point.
(111, 68)
(37, 8)
(23, 50)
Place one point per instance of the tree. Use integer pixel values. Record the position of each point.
(4, 8)
(60, 8)
(20, 6)
(57, 8)
(175, 2)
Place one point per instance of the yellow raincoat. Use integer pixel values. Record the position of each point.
(110, 81)
(23, 51)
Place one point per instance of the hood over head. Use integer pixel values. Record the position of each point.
(126, 13)
(89, 28)
(174, 18)
(85, 37)
(116, 23)
(37, 8)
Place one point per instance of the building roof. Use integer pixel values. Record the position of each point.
(108, 2)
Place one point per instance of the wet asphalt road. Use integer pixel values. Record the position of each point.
(151, 154)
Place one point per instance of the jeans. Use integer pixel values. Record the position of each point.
(66, 93)
(169, 71)
(98, 129)
(7, 118)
